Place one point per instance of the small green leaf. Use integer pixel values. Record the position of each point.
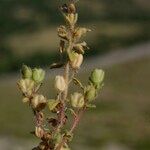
(90, 106)
(77, 82)
(52, 103)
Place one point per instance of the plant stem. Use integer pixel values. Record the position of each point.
(77, 119)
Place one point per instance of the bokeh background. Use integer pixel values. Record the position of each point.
(120, 44)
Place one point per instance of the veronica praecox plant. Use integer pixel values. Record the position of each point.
(52, 130)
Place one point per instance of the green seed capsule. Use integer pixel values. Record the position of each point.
(90, 93)
(97, 77)
(38, 75)
(26, 72)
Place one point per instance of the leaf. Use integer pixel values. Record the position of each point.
(56, 65)
(90, 106)
(52, 103)
(62, 46)
(77, 82)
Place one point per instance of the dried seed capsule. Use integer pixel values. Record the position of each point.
(38, 102)
(25, 100)
(26, 86)
(26, 72)
(71, 8)
(68, 8)
(60, 83)
(64, 8)
(62, 32)
(77, 100)
(39, 132)
(75, 60)
(62, 46)
(38, 75)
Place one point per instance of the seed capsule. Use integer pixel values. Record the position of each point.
(64, 8)
(26, 86)
(76, 60)
(90, 93)
(62, 33)
(68, 8)
(39, 132)
(25, 100)
(77, 100)
(72, 8)
(97, 77)
(60, 83)
(26, 72)
(38, 102)
(38, 75)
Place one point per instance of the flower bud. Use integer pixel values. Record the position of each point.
(60, 83)
(90, 93)
(76, 60)
(26, 72)
(38, 102)
(52, 103)
(97, 77)
(38, 75)
(77, 100)
(39, 132)
(26, 86)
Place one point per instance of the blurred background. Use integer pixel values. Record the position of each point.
(120, 44)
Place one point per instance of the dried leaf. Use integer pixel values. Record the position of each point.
(56, 65)
(62, 46)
